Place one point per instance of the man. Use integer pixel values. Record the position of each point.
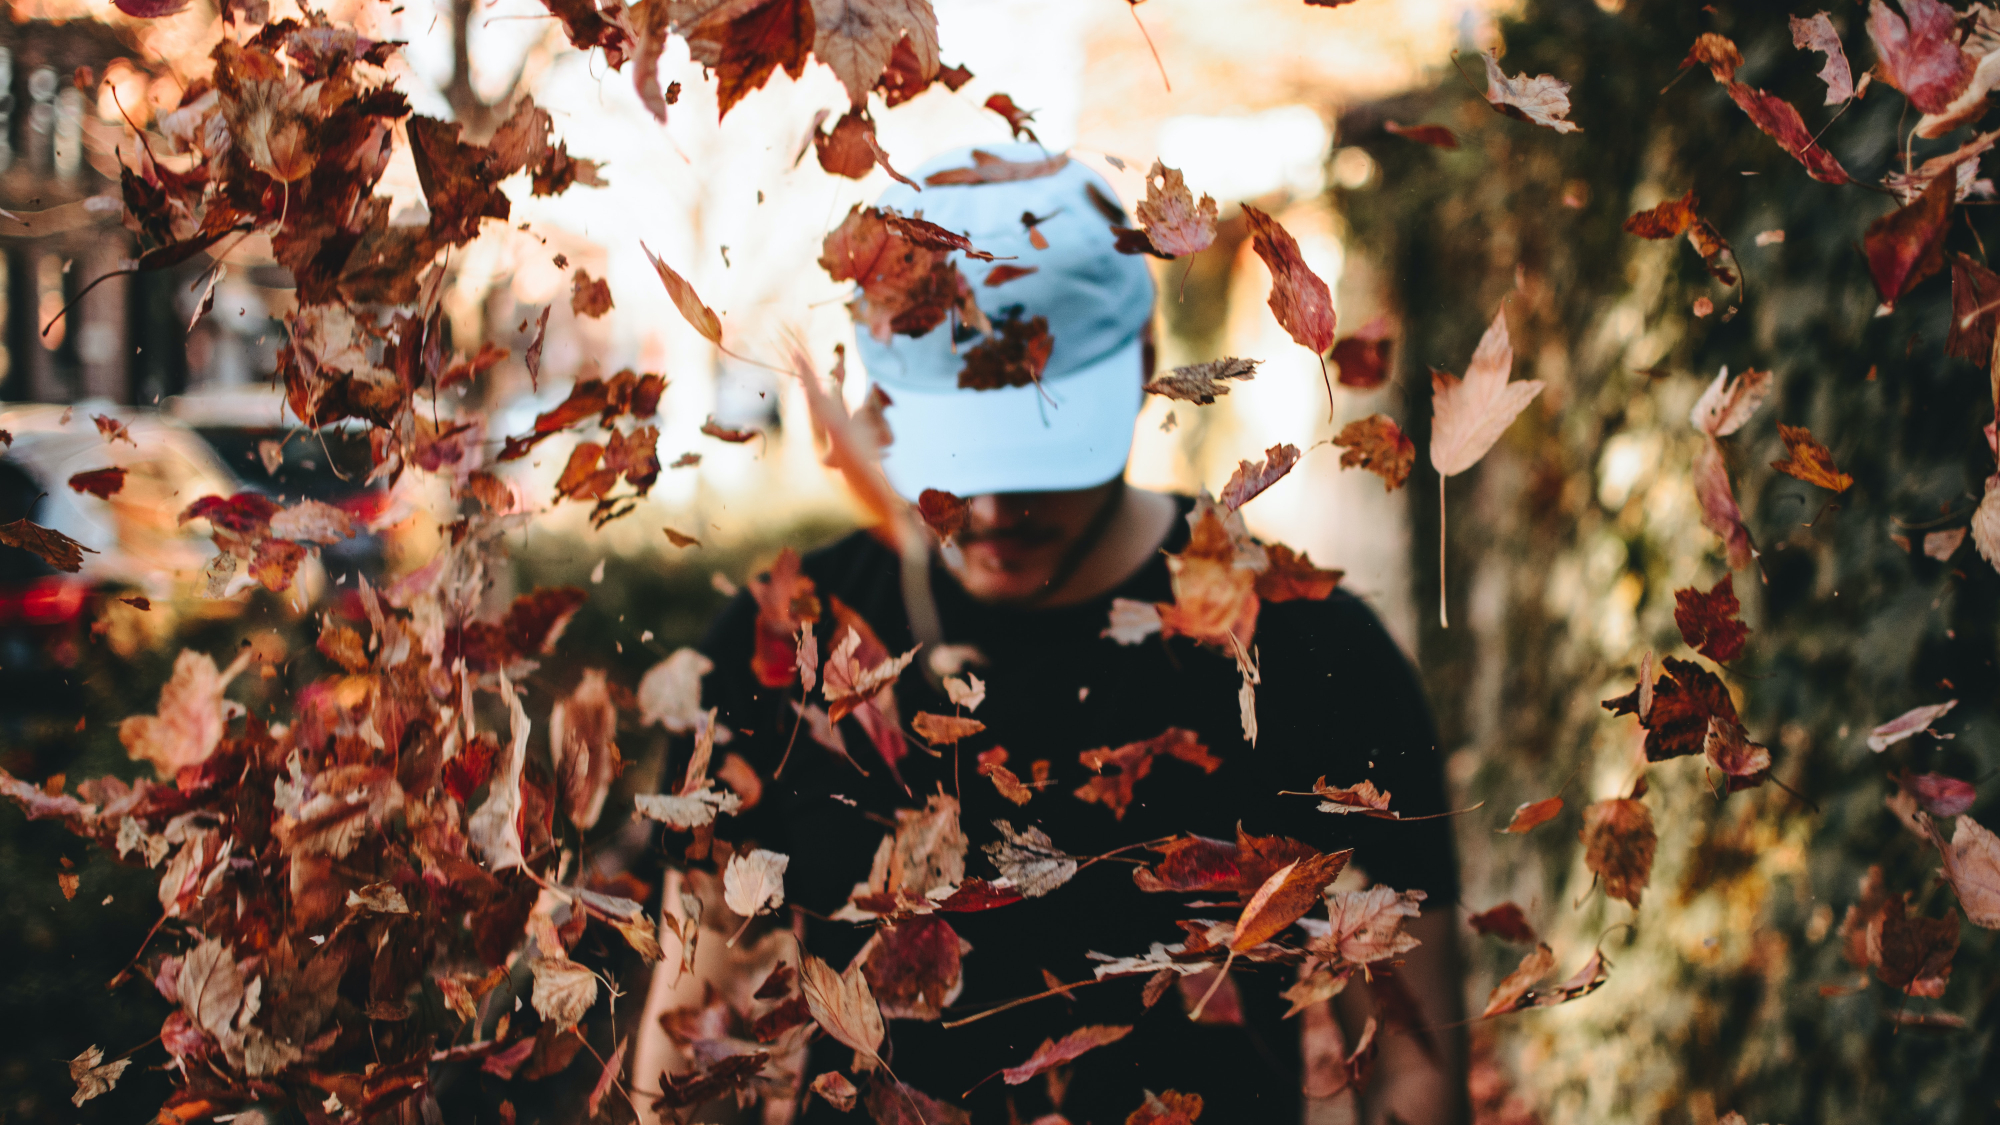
(1023, 596)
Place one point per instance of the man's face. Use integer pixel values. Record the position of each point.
(1014, 541)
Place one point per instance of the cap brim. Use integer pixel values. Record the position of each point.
(1069, 433)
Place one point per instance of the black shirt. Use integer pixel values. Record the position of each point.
(1337, 699)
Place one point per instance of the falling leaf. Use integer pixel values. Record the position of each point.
(1942, 545)
(1807, 460)
(1367, 926)
(1782, 123)
(1436, 136)
(836, 1089)
(1728, 748)
(1377, 444)
(312, 521)
(1119, 770)
(1512, 994)
(1716, 52)
(1017, 118)
(101, 483)
(1728, 403)
(1678, 217)
(1817, 34)
(1469, 415)
(111, 429)
(1532, 814)
(990, 169)
(670, 692)
(1708, 621)
(1912, 954)
(942, 512)
(1201, 383)
(945, 729)
(68, 881)
(992, 765)
(1618, 845)
(1174, 224)
(1251, 479)
(1684, 699)
(1299, 299)
(1972, 866)
(1361, 798)
(1053, 1053)
(857, 38)
(55, 548)
(680, 539)
(581, 747)
(191, 716)
(1013, 355)
(1506, 922)
(1906, 245)
(1002, 274)
(1132, 621)
(968, 693)
(1285, 897)
(1541, 100)
(94, 1076)
(564, 990)
(842, 1004)
(1985, 523)
(697, 314)
(590, 296)
(744, 45)
(1937, 794)
(1719, 512)
(754, 882)
(1919, 52)
(1030, 860)
(1169, 1107)
(1914, 721)
(1362, 360)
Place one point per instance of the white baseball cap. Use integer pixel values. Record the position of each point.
(1074, 428)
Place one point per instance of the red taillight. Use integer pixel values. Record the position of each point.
(50, 601)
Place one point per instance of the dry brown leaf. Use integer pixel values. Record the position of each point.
(1541, 100)
(842, 1004)
(1377, 444)
(699, 315)
(1532, 814)
(1299, 299)
(1618, 844)
(1809, 461)
(1512, 994)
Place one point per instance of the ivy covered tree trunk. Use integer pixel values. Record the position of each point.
(1729, 987)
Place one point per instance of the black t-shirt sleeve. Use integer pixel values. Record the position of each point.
(1340, 700)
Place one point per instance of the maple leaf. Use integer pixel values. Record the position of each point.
(1618, 844)
(1299, 299)
(1972, 866)
(1512, 993)
(1200, 383)
(54, 548)
(94, 1076)
(1541, 100)
(1377, 444)
(1287, 577)
(1437, 136)
(1807, 460)
(191, 716)
(1029, 859)
(101, 483)
(1174, 224)
(1367, 926)
(842, 1004)
(849, 150)
(1469, 415)
(1776, 117)
(670, 691)
(908, 282)
(1251, 479)
(1053, 1053)
(589, 296)
(1919, 52)
(942, 512)
(1817, 34)
(1361, 361)
(858, 37)
(1906, 245)
(1716, 52)
(1215, 600)
(745, 44)
(1131, 762)
(1506, 922)
(785, 600)
(1728, 748)
(1708, 621)
(1728, 403)
(914, 967)
(850, 682)
(1532, 814)
(1684, 700)
(990, 169)
(700, 316)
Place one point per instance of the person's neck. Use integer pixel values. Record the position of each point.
(1136, 529)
